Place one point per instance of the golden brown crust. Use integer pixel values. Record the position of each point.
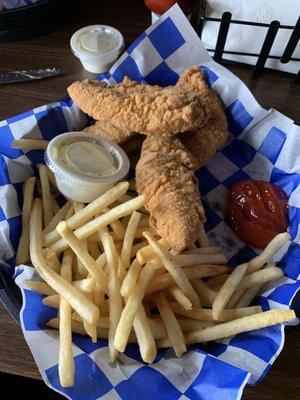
(134, 107)
(204, 141)
(165, 174)
(165, 171)
(109, 131)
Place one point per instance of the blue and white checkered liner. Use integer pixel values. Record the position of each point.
(263, 145)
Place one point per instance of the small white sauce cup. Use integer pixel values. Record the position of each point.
(92, 59)
(77, 187)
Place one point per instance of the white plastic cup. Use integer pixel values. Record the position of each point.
(77, 187)
(91, 45)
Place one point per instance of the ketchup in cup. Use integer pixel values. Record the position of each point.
(257, 211)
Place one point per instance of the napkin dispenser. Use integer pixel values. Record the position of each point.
(256, 39)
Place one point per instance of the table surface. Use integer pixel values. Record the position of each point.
(272, 90)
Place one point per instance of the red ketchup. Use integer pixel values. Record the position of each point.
(257, 211)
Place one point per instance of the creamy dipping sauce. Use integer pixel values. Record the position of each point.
(85, 158)
(85, 165)
(97, 40)
(97, 47)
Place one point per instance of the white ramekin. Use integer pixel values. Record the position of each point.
(75, 186)
(97, 62)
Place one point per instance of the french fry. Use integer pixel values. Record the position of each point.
(136, 247)
(91, 329)
(146, 253)
(77, 300)
(59, 216)
(279, 241)
(202, 314)
(118, 229)
(144, 336)
(203, 239)
(51, 178)
(41, 287)
(81, 270)
(87, 213)
(245, 324)
(174, 269)
(185, 260)
(193, 272)
(253, 279)
(131, 278)
(247, 296)
(204, 292)
(260, 277)
(69, 214)
(101, 261)
(157, 326)
(244, 297)
(51, 256)
(77, 327)
(129, 238)
(132, 305)
(103, 322)
(121, 269)
(55, 206)
(103, 220)
(46, 195)
(228, 288)
(127, 197)
(171, 324)
(235, 298)
(65, 357)
(52, 300)
(98, 297)
(30, 144)
(23, 248)
(215, 281)
(140, 232)
(180, 297)
(189, 324)
(87, 260)
(114, 285)
(206, 314)
(203, 250)
(86, 285)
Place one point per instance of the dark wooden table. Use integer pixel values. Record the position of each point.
(131, 18)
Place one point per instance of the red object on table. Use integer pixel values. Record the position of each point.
(161, 6)
(257, 211)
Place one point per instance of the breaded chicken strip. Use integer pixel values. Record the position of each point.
(165, 174)
(134, 107)
(109, 131)
(203, 142)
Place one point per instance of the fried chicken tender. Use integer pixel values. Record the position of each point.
(109, 131)
(165, 171)
(134, 107)
(165, 174)
(203, 142)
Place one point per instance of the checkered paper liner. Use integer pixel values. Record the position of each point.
(263, 144)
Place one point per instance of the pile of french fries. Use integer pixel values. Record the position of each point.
(112, 277)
